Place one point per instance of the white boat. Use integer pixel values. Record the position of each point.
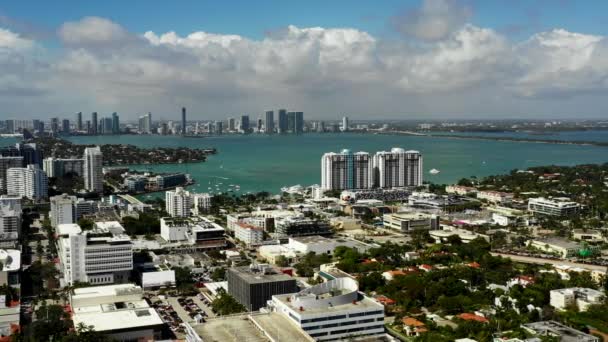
(434, 171)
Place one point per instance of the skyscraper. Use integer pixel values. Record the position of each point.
(106, 126)
(54, 125)
(30, 182)
(7, 163)
(398, 168)
(29, 152)
(344, 124)
(219, 127)
(145, 123)
(178, 202)
(231, 124)
(291, 122)
(346, 170)
(184, 121)
(94, 123)
(65, 126)
(93, 163)
(115, 123)
(79, 121)
(260, 125)
(245, 123)
(299, 123)
(269, 123)
(283, 121)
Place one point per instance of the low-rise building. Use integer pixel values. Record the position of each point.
(589, 235)
(410, 222)
(300, 246)
(563, 248)
(10, 263)
(555, 329)
(254, 285)
(332, 310)
(248, 234)
(559, 206)
(301, 226)
(102, 255)
(197, 231)
(577, 296)
(504, 216)
(119, 311)
(460, 190)
(495, 196)
(466, 236)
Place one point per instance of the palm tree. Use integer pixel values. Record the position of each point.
(83, 328)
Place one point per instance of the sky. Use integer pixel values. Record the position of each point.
(419, 59)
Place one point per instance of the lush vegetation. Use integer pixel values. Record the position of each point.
(147, 223)
(225, 304)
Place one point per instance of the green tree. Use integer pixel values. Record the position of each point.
(281, 261)
(225, 304)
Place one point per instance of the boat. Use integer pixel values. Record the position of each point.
(434, 171)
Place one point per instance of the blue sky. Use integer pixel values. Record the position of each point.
(254, 18)
(384, 59)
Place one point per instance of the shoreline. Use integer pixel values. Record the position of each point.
(504, 139)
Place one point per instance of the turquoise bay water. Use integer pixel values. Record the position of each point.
(591, 135)
(260, 162)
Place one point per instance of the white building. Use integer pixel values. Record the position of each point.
(10, 267)
(579, 296)
(59, 167)
(460, 190)
(195, 231)
(466, 236)
(302, 245)
(93, 166)
(202, 203)
(119, 311)
(553, 206)
(248, 234)
(178, 202)
(495, 196)
(62, 210)
(332, 310)
(69, 209)
(5, 164)
(344, 124)
(30, 182)
(398, 168)
(346, 170)
(103, 255)
(410, 222)
(562, 247)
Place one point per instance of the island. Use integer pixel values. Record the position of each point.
(123, 154)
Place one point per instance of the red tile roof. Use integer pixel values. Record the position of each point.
(472, 317)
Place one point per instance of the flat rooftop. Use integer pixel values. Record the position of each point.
(279, 327)
(364, 303)
(560, 243)
(103, 318)
(565, 333)
(231, 329)
(68, 229)
(252, 276)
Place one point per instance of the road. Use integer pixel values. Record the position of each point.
(541, 261)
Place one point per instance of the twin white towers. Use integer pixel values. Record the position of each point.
(395, 169)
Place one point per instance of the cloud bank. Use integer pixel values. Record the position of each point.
(447, 68)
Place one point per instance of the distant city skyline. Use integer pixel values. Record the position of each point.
(427, 59)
